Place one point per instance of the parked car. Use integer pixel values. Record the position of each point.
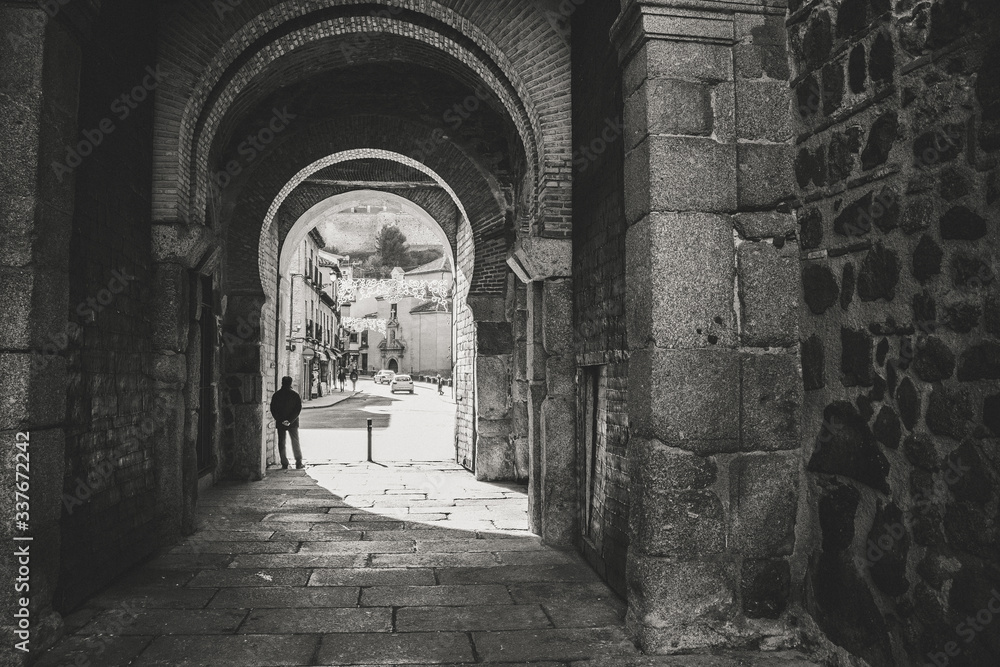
(401, 383)
(384, 377)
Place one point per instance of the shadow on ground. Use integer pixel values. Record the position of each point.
(410, 564)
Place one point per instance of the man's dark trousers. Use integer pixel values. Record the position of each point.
(296, 447)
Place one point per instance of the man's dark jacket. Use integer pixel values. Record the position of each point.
(286, 406)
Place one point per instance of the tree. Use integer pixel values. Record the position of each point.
(390, 244)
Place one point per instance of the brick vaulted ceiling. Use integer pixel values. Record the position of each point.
(402, 64)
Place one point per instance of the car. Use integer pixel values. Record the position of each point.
(401, 383)
(384, 377)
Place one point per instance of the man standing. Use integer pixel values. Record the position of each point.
(286, 405)
(341, 378)
(354, 379)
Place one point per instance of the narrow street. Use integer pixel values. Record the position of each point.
(417, 427)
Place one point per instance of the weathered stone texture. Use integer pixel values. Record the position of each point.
(913, 236)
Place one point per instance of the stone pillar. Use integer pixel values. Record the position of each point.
(535, 373)
(495, 458)
(39, 98)
(520, 390)
(713, 387)
(544, 264)
(559, 501)
(244, 405)
(177, 249)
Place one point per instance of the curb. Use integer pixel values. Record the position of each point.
(347, 395)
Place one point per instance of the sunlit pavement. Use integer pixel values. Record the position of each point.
(417, 427)
(350, 563)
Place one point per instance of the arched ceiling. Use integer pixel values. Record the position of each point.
(416, 58)
(449, 110)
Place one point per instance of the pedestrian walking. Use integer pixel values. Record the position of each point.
(440, 382)
(354, 379)
(286, 405)
(341, 378)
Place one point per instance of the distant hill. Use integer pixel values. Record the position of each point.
(354, 233)
(417, 256)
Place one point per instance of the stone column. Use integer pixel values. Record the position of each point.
(535, 374)
(39, 91)
(544, 264)
(713, 385)
(494, 446)
(559, 501)
(177, 249)
(244, 405)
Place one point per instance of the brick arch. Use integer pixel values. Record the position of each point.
(258, 195)
(505, 56)
(290, 237)
(437, 203)
(245, 367)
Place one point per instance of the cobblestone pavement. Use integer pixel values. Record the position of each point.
(361, 564)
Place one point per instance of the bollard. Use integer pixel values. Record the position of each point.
(370, 441)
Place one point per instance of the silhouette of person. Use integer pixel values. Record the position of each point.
(286, 405)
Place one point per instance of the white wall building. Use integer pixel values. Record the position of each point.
(419, 331)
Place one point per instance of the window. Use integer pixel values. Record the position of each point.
(393, 311)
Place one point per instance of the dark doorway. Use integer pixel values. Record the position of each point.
(393, 366)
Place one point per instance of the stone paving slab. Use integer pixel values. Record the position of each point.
(490, 545)
(286, 598)
(229, 651)
(547, 557)
(373, 577)
(312, 535)
(516, 574)
(159, 598)
(329, 620)
(559, 644)
(395, 649)
(587, 614)
(729, 659)
(277, 547)
(169, 622)
(411, 565)
(104, 651)
(191, 561)
(560, 594)
(360, 547)
(473, 559)
(465, 619)
(419, 596)
(251, 577)
(300, 560)
(418, 534)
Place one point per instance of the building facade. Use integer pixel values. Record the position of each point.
(313, 343)
(419, 331)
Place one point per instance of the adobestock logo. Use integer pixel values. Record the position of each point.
(967, 630)
(254, 144)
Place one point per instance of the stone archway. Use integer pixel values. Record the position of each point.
(496, 212)
(273, 269)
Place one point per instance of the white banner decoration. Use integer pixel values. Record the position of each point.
(394, 290)
(362, 324)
